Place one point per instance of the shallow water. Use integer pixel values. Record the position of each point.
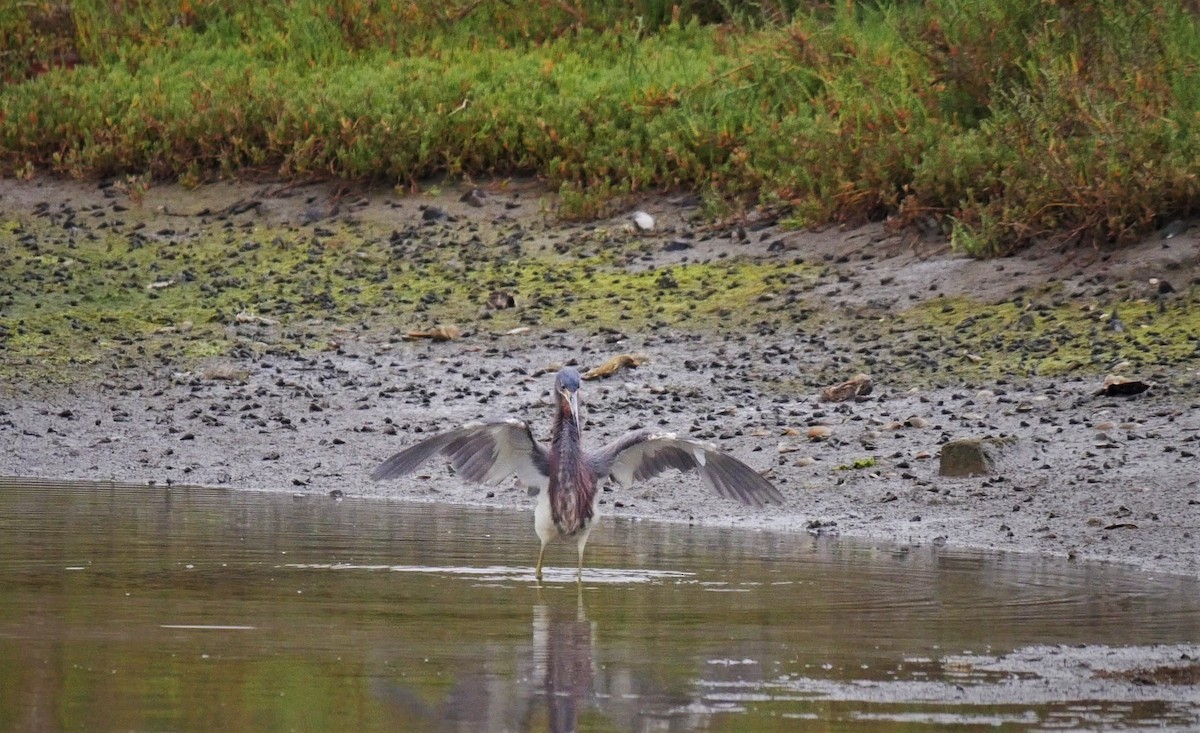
(148, 609)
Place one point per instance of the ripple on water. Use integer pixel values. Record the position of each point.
(500, 573)
(416, 614)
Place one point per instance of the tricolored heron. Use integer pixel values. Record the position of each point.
(568, 477)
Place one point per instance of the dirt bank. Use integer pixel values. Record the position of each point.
(1092, 477)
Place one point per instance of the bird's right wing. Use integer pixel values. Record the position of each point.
(643, 454)
(484, 452)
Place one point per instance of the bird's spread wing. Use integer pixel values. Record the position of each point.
(484, 452)
(646, 453)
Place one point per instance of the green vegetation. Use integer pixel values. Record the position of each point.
(1001, 123)
(72, 302)
(857, 465)
(87, 299)
(1050, 336)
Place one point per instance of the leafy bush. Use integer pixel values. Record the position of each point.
(1002, 123)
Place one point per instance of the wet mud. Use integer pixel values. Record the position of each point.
(1089, 476)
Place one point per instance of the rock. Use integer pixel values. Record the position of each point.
(643, 221)
(246, 317)
(433, 213)
(1118, 386)
(1113, 321)
(224, 371)
(1121, 525)
(474, 197)
(973, 456)
(615, 364)
(316, 211)
(1161, 286)
(1174, 229)
(500, 300)
(819, 432)
(859, 384)
(447, 332)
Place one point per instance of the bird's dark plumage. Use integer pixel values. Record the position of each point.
(568, 478)
(485, 452)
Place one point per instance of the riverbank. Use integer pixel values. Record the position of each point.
(290, 380)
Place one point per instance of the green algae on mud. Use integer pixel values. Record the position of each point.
(78, 298)
(1026, 337)
(90, 282)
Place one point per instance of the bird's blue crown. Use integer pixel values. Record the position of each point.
(568, 379)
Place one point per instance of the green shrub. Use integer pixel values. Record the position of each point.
(1006, 123)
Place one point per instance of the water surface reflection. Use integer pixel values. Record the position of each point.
(135, 608)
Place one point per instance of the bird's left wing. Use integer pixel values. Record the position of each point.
(484, 452)
(646, 453)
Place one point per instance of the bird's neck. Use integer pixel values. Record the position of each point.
(564, 433)
(572, 485)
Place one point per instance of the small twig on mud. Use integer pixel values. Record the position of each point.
(296, 184)
(769, 215)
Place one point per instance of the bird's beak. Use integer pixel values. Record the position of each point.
(571, 404)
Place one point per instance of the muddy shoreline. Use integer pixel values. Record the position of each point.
(1115, 479)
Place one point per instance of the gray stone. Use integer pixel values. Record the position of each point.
(973, 456)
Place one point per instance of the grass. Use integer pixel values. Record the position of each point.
(1001, 125)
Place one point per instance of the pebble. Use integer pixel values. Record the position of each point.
(819, 432)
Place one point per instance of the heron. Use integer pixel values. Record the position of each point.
(566, 476)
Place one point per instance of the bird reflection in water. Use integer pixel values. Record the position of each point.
(563, 662)
(556, 680)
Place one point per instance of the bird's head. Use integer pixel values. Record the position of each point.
(566, 389)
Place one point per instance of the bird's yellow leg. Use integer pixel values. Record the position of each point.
(537, 573)
(579, 569)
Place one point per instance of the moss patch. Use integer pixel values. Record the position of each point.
(77, 297)
(1058, 336)
(85, 290)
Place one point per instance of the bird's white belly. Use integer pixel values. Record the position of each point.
(543, 522)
